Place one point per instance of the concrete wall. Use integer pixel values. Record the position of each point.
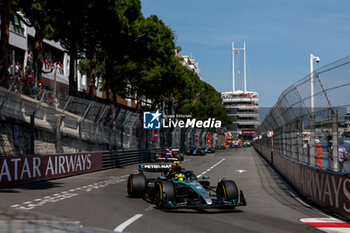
(56, 131)
(330, 190)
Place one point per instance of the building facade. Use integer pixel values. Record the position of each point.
(242, 108)
(21, 44)
(189, 63)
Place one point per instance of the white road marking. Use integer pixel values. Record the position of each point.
(320, 220)
(301, 201)
(125, 224)
(28, 205)
(241, 171)
(210, 168)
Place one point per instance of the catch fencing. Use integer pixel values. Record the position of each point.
(44, 121)
(313, 129)
(307, 137)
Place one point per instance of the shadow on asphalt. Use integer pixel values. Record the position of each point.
(32, 186)
(203, 211)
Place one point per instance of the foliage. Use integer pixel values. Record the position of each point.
(133, 55)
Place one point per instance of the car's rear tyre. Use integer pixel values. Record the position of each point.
(227, 190)
(137, 185)
(164, 192)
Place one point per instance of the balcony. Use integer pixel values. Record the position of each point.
(247, 122)
(59, 76)
(239, 99)
(242, 106)
(244, 114)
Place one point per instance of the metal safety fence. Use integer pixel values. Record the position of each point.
(312, 129)
(44, 121)
(112, 159)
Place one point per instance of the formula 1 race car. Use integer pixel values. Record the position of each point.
(179, 188)
(209, 149)
(197, 151)
(170, 155)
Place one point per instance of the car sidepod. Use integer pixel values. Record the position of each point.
(201, 192)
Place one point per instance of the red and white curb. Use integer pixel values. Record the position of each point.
(331, 225)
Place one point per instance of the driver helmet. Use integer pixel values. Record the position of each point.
(179, 176)
(317, 141)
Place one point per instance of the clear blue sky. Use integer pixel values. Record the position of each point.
(280, 35)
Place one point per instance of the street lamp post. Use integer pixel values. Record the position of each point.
(317, 59)
(55, 87)
(312, 115)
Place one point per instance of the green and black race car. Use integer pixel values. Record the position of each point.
(180, 188)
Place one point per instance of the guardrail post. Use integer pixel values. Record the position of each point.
(335, 152)
(32, 134)
(312, 153)
(280, 141)
(300, 141)
(79, 135)
(59, 148)
(294, 142)
(284, 150)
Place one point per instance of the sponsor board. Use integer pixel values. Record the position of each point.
(329, 190)
(24, 169)
(248, 131)
(157, 166)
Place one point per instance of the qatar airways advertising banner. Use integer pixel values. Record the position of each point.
(24, 169)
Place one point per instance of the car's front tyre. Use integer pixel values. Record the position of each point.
(137, 185)
(227, 190)
(164, 192)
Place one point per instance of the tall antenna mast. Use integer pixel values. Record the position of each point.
(245, 69)
(233, 67)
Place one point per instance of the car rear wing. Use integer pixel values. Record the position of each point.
(167, 159)
(155, 167)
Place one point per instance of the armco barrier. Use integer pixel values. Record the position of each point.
(16, 170)
(111, 159)
(327, 189)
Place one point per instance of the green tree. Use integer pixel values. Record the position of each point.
(149, 60)
(38, 13)
(116, 41)
(68, 20)
(6, 9)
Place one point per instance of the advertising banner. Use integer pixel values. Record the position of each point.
(248, 131)
(155, 137)
(25, 169)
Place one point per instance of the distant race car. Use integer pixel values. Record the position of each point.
(220, 146)
(247, 144)
(198, 151)
(209, 149)
(236, 143)
(179, 188)
(170, 155)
